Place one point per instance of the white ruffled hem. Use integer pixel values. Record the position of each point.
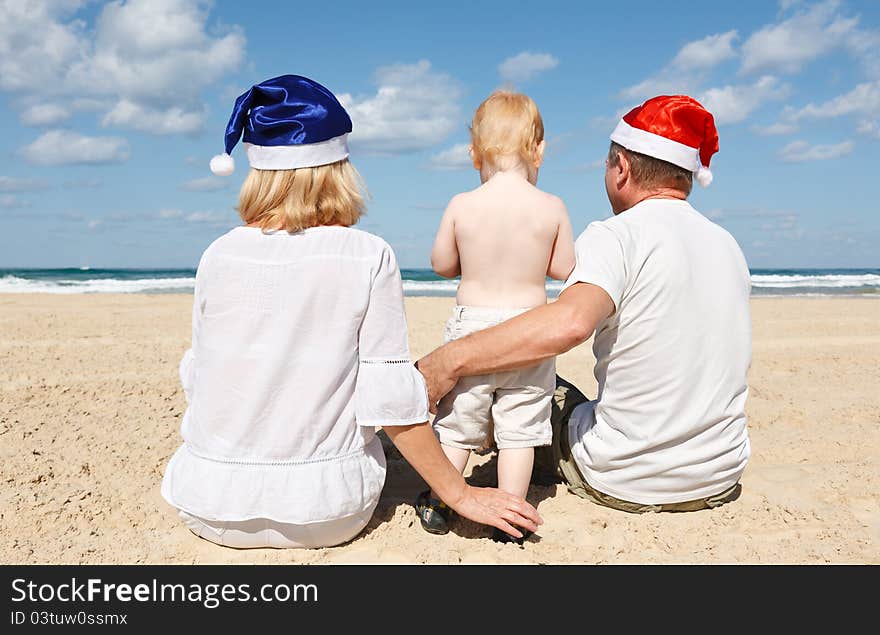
(390, 393)
(299, 493)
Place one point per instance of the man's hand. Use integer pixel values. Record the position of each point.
(438, 377)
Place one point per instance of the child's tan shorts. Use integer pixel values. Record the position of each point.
(516, 404)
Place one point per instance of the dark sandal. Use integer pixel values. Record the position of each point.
(504, 537)
(433, 513)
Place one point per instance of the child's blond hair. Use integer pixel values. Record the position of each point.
(294, 200)
(506, 129)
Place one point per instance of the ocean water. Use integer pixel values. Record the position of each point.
(416, 282)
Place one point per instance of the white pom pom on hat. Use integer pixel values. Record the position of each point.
(703, 176)
(222, 164)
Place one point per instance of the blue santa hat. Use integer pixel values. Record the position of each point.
(288, 122)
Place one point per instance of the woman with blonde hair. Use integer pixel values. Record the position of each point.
(299, 349)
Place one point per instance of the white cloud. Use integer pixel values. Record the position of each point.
(775, 129)
(64, 147)
(706, 53)
(869, 128)
(140, 57)
(44, 114)
(685, 72)
(83, 183)
(799, 151)
(865, 46)
(12, 184)
(205, 184)
(194, 217)
(863, 99)
(732, 104)
(665, 83)
(205, 217)
(769, 223)
(10, 201)
(455, 158)
(785, 5)
(526, 65)
(788, 45)
(38, 39)
(414, 108)
(589, 166)
(174, 120)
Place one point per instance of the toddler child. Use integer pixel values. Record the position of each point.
(503, 238)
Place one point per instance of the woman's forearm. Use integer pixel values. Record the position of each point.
(420, 448)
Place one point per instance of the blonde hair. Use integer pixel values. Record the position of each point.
(507, 126)
(294, 200)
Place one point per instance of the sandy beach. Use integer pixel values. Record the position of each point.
(90, 409)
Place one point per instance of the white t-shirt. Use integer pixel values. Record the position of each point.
(299, 348)
(669, 423)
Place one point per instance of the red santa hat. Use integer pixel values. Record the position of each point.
(673, 128)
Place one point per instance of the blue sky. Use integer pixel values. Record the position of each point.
(111, 111)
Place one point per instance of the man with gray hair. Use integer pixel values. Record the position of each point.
(666, 292)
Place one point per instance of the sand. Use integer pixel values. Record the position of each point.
(90, 409)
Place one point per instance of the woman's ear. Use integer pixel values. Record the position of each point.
(539, 153)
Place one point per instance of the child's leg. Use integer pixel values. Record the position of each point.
(457, 456)
(515, 470)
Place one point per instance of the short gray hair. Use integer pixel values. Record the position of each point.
(650, 172)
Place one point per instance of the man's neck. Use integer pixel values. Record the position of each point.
(661, 193)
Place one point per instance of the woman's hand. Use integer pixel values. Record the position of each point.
(484, 505)
(495, 507)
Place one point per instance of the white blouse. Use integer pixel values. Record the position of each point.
(299, 348)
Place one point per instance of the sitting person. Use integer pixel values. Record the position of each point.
(504, 238)
(299, 349)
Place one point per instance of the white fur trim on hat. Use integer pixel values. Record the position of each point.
(654, 145)
(222, 164)
(300, 156)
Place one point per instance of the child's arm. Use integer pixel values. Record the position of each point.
(444, 255)
(562, 256)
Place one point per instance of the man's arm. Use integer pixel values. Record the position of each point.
(525, 340)
(484, 505)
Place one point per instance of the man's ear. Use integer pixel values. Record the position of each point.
(623, 170)
(539, 153)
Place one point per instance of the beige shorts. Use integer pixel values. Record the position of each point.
(514, 405)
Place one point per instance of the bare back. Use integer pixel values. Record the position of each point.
(507, 236)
